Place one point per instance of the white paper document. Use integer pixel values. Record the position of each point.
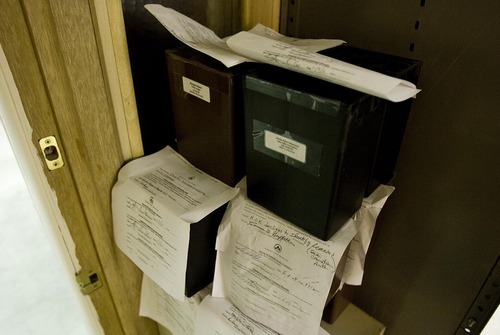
(154, 201)
(273, 271)
(178, 317)
(311, 45)
(323, 67)
(218, 316)
(367, 215)
(264, 45)
(195, 35)
(205, 40)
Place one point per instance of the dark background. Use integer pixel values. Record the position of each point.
(437, 238)
(438, 235)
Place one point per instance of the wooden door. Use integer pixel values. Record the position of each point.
(70, 87)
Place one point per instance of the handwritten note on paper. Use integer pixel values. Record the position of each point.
(154, 201)
(262, 44)
(218, 316)
(205, 40)
(311, 45)
(273, 271)
(297, 59)
(178, 317)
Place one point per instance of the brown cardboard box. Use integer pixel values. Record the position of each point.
(206, 102)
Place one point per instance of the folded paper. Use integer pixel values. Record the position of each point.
(276, 273)
(154, 201)
(262, 44)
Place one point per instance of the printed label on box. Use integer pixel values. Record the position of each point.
(285, 146)
(194, 88)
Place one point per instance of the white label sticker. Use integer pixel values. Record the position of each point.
(198, 90)
(285, 146)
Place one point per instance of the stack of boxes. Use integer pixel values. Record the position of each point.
(206, 104)
(310, 150)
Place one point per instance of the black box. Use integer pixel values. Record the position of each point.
(395, 114)
(201, 252)
(313, 148)
(310, 147)
(207, 108)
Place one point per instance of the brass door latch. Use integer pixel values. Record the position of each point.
(89, 281)
(51, 153)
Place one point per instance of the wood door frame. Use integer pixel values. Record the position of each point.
(112, 44)
(61, 63)
(19, 134)
(69, 63)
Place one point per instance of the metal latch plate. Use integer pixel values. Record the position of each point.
(89, 281)
(51, 153)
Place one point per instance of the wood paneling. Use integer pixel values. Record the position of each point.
(266, 12)
(112, 45)
(52, 50)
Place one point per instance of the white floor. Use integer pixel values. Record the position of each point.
(33, 298)
(493, 326)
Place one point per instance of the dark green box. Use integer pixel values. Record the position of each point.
(395, 114)
(310, 147)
